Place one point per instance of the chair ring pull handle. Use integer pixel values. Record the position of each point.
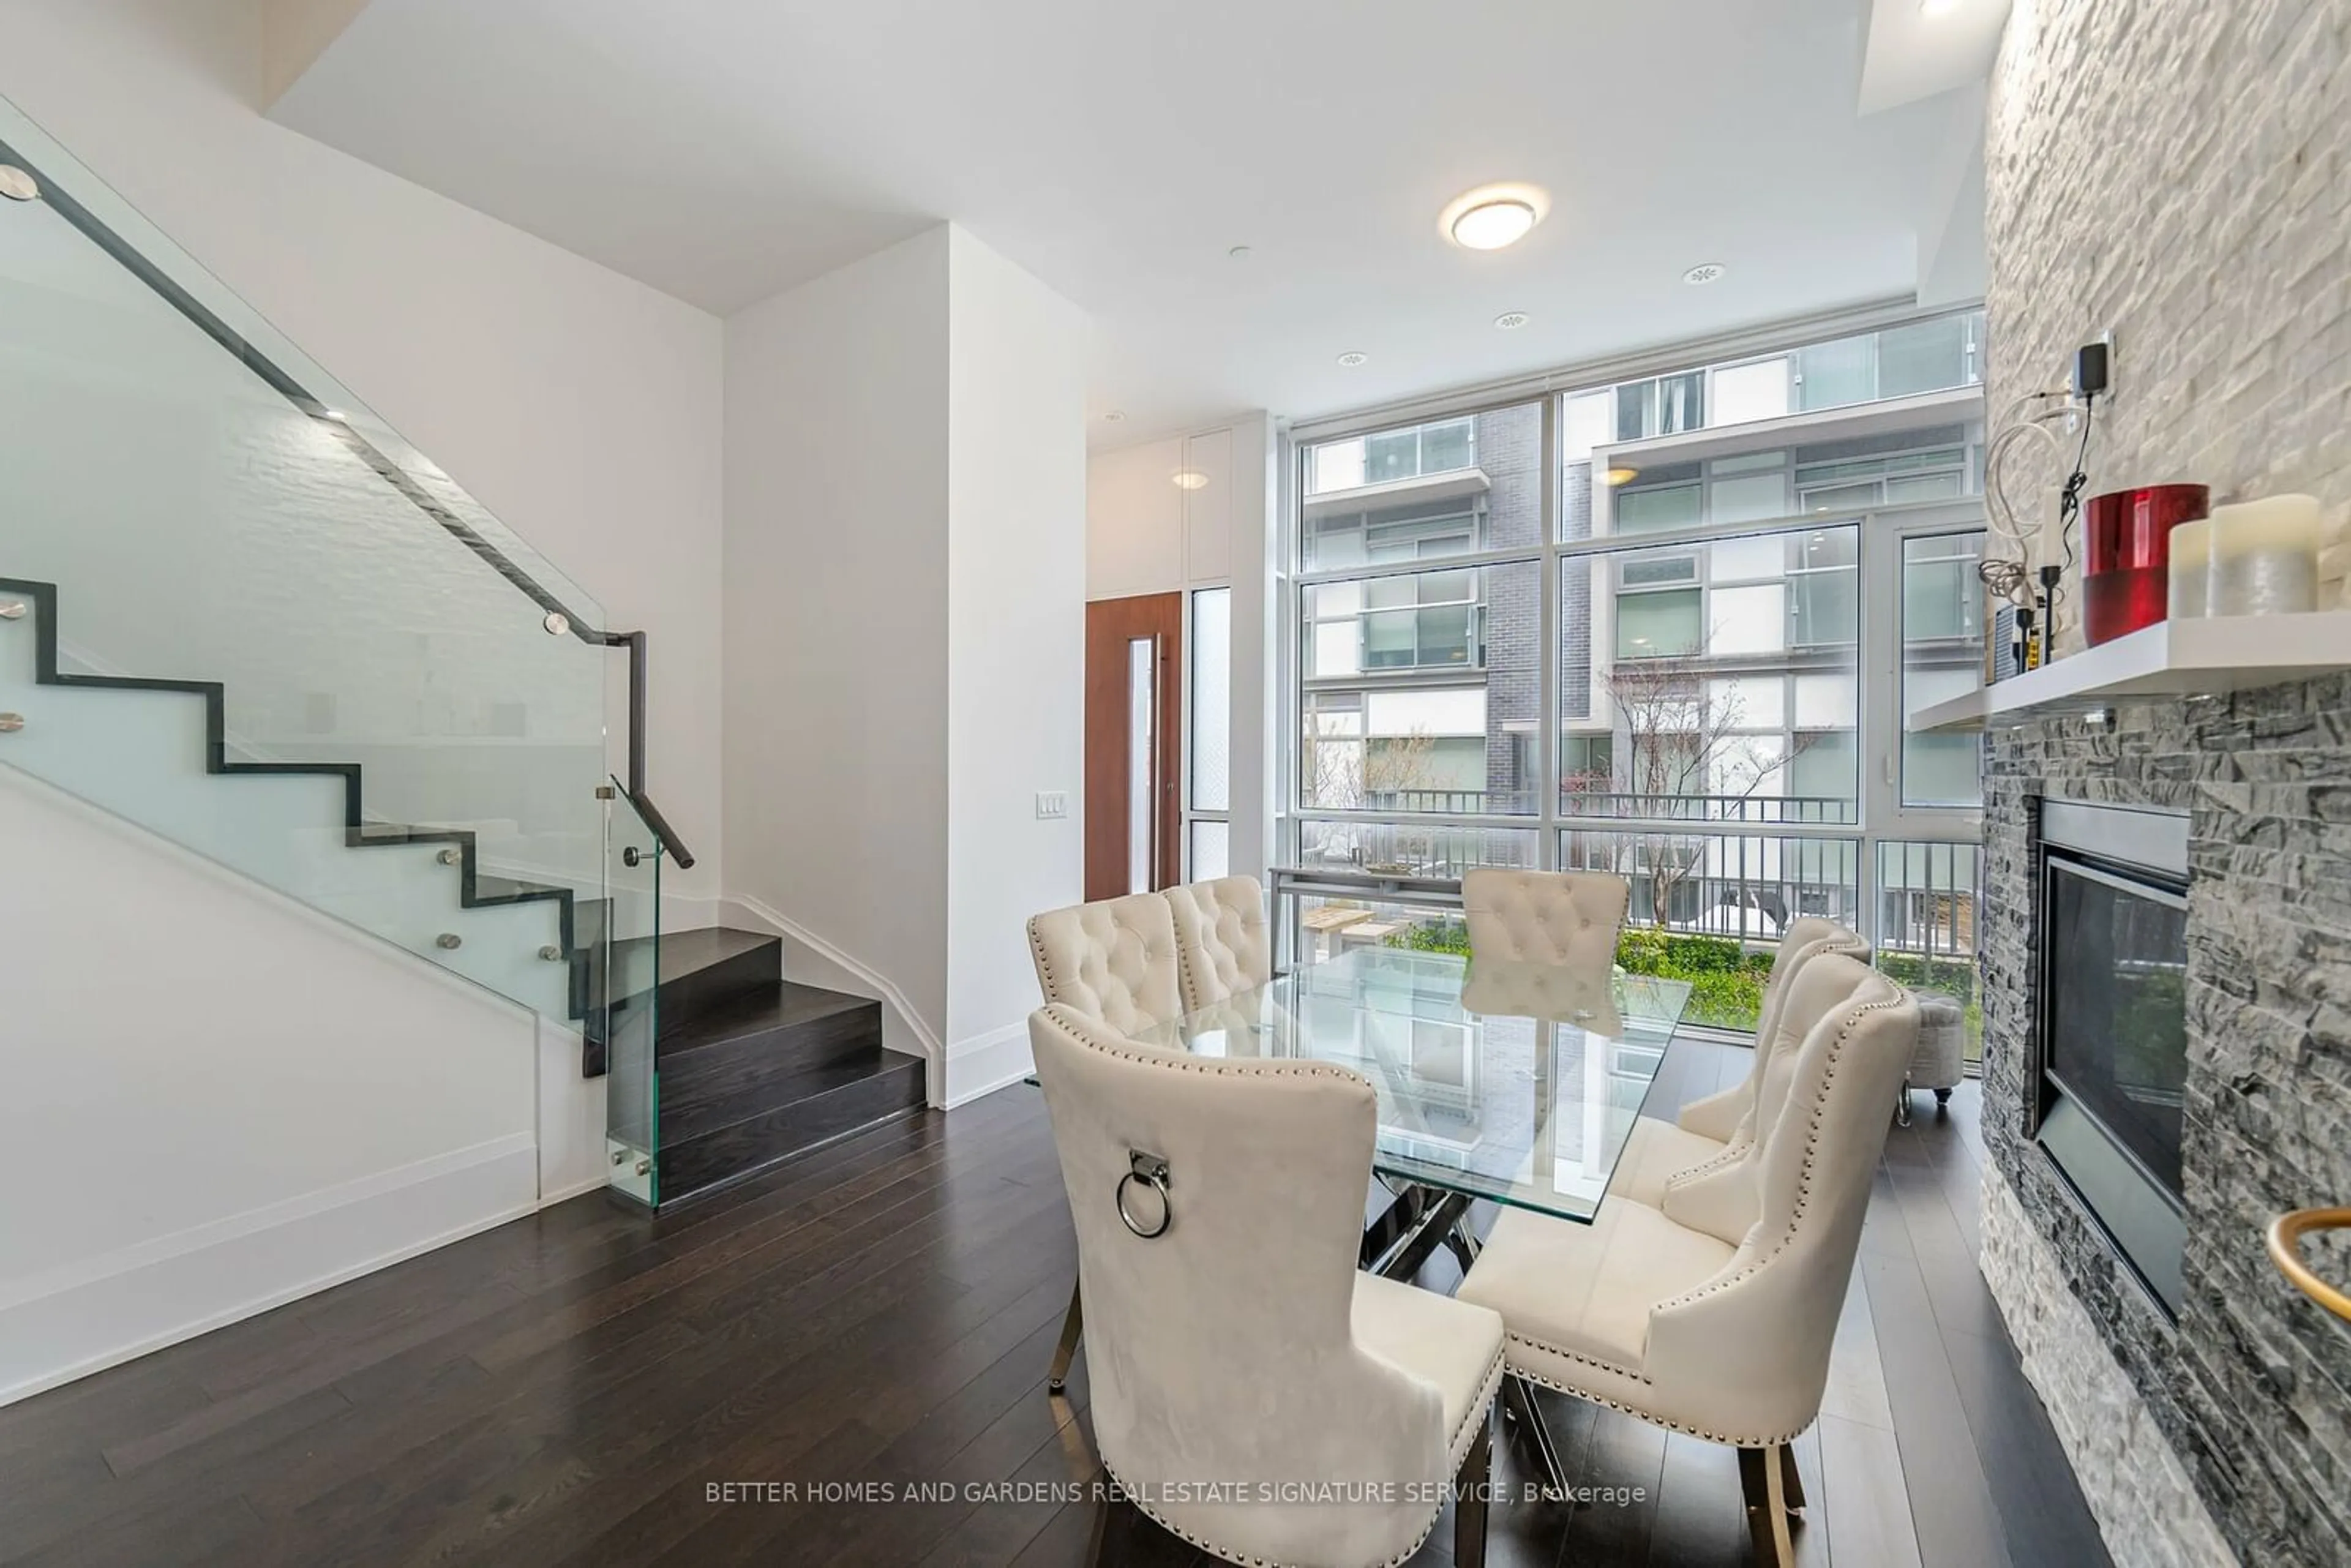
(1151, 1171)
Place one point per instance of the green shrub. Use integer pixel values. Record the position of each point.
(1642, 952)
(1689, 956)
(1438, 936)
(1726, 979)
(1724, 1000)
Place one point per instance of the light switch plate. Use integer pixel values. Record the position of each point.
(1052, 805)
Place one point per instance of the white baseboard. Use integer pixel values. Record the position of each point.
(576, 1189)
(906, 1024)
(987, 1063)
(72, 1322)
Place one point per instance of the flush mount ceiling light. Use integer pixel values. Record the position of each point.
(1512, 321)
(1622, 476)
(1355, 357)
(1190, 479)
(1492, 216)
(1705, 272)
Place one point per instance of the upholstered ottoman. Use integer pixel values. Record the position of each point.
(1940, 1061)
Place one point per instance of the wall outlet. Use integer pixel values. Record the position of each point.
(1052, 805)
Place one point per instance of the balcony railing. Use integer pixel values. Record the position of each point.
(1766, 810)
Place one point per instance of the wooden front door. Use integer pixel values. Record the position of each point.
(1134, 707)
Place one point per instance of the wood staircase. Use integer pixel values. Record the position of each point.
(753, 1069)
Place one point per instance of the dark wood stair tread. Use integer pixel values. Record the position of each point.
(773, 1008)
(889, 1086)
(684, 953)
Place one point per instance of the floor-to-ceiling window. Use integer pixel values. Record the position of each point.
(1664, 628)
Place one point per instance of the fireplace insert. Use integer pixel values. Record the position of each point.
(2113, 1037)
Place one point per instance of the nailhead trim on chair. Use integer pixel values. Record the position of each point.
(1482, 1406)
(1804, 1194)
(1576, 1356)
(1735, 1152)
(1804, 1184)
(1639, 1414)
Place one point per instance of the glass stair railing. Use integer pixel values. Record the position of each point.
(237, 610)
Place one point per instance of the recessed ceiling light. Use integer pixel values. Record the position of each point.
(1239, 253)
(1705, 272)
(1355, 357)
(1113, 416)
(1512, 321)
(1622, 476)
(1190, 479)
(1492, 216)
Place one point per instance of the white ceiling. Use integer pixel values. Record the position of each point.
(724, 150)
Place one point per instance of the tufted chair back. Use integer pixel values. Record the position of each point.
(1112, 960)
(1545, 916)
(1723, 1196)
(1745, 1355)
(1729, 1117)
(1224, 1348)
(1223, 945)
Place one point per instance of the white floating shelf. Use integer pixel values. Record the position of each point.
(2168, 659)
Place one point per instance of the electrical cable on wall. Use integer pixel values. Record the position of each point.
(2029, 418)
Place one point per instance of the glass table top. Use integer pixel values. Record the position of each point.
(1517, 1083)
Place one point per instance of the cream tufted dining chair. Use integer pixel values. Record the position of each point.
(1114, 960)
(1543, 917)
(1223, 943)
(1689, 1150)
(1727, 1341)
(1233, 1338)
(1719, 1116)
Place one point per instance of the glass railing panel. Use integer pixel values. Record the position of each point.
(256, 621)
(629, 943)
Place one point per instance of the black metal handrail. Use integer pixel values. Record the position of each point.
(673, 846)
(558, 617)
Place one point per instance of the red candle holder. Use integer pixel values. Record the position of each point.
(2126, 570)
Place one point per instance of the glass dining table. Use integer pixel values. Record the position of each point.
(1513, 1082)
(1510, 1081)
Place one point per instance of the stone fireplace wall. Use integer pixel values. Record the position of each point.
(2181, 171)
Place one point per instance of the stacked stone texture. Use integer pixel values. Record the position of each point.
(2181, 171)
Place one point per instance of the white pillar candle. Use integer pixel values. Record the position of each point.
(2191, 569)
(2265, 556)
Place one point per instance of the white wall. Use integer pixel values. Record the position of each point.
(219, 1100)
(905, 628)
(836, 613)
(579, 405)
(1016, 644)
(1145, 534)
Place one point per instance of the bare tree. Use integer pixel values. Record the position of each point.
(1683, 754)
(1353, 773)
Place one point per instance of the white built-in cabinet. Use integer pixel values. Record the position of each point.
(1162, 516)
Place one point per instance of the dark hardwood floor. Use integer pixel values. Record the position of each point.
(572, 1387)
